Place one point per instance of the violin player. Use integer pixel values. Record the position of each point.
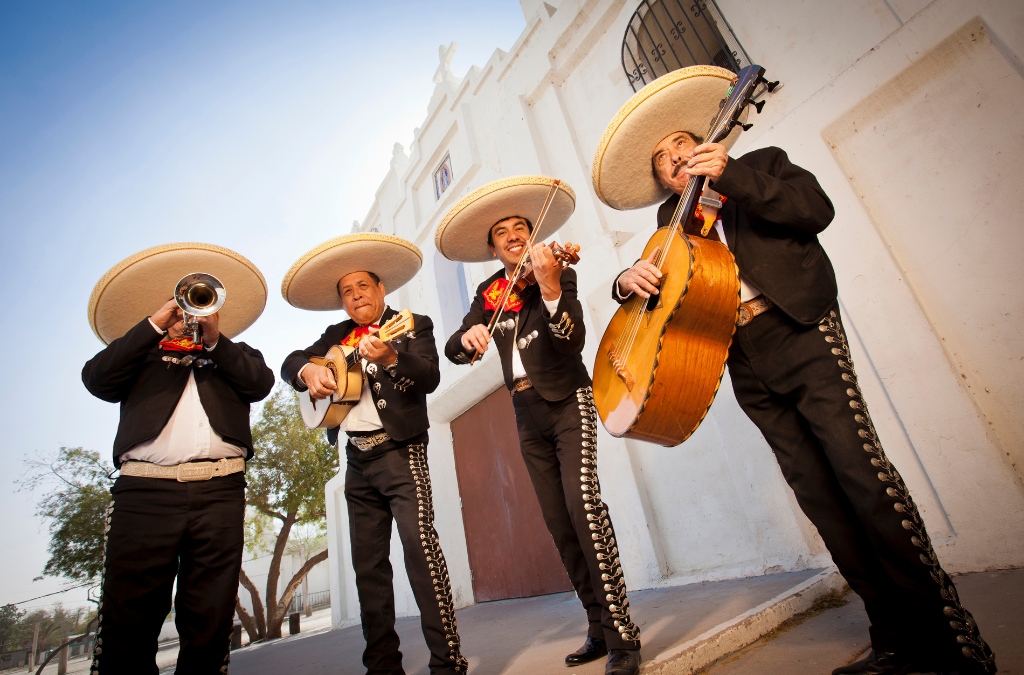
(177, 509)
(539, 337)
(386, 477)
(790, 363)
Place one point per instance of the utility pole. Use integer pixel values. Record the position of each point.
(35, 648)
(62, 664)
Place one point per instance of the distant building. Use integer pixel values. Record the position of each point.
(909, 113)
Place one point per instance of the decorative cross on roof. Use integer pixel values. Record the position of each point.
(445, 55)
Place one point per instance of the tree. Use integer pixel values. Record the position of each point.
(286, 481)
(75, 509)
(10, 627)
(53, 625)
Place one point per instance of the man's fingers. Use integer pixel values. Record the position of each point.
(635, 288)
(654, 254)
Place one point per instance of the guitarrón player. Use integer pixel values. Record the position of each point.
(539, 337)
(177, 509)
(386, 476)
(790, 364)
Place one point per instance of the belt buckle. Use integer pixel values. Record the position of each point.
(195, 471)
(745, 316)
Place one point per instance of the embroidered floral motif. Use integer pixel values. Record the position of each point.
(353, 338)
(435, 558)
(960, 620)
(600, 525)
(492, 297)
(182, 344)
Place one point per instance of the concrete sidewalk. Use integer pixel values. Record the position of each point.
(684, 630)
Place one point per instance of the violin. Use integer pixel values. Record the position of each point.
(566, 255)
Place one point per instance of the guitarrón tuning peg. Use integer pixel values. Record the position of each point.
(770, 85)
(737, 123)
(757, 104)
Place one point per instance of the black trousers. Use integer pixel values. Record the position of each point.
(798, 385)
(559, 446)
(379, 488)
(156, 530)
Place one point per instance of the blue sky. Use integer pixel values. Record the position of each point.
(265, 127)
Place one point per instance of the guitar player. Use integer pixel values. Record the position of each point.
(386, 437)
(539, 338)
(791, 368)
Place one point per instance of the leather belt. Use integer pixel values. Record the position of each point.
(371, 441)
(522, 384)
(184, 473)
(751, 308)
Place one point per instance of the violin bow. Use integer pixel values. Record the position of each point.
(519, 266)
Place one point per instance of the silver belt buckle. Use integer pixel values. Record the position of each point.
(195, 471)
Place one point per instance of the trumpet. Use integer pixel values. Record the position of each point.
(198, 294)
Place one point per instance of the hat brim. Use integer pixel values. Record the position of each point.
(683, 100)
(312, 282)
(141, 284)
(462, 235)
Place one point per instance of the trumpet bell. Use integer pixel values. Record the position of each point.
(200, 294)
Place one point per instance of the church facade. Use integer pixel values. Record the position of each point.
(907, 111)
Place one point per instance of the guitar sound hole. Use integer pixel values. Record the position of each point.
(652, 302)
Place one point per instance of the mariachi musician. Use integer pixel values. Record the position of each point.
(386, 436)
(176, 511)
(539, 336)
(790, 362)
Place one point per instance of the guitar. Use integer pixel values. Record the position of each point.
(346, 366)
(661, 359)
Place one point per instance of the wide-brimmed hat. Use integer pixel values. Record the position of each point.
(312, 282)
(462, 235)
(683, 100)
(139, 285)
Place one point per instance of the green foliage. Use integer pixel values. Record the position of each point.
(79, 491)
(10, 627)
(292, 464)
(54, 625)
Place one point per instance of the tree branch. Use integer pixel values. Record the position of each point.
(274, 630)
(247, 621)
(289, 590)
(257, 605)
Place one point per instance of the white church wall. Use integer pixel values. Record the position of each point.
(717, 507)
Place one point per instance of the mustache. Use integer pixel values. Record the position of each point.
(679, 167)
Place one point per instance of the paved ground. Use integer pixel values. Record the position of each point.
(530, 635)
(838, 636)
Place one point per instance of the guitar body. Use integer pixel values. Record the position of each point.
(660, 363)
(329, 412)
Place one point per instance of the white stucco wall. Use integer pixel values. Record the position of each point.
(908, 112)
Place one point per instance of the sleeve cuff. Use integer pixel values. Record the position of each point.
(552, 305)
(155, 327)
(618, 293)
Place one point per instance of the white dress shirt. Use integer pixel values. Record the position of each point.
(187, 435)
(518, 370)
(747, 291)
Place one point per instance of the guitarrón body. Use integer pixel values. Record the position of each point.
(658, 384)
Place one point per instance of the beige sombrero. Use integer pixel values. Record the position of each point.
(139, 285)
(312, 282)
(462, 235)
(683, 100)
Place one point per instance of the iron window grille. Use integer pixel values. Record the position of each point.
(666, 35)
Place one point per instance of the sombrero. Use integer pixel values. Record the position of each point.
(312, 282)
(140, 284)
(462, 235)
(683, 100)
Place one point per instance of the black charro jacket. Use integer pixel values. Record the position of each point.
(552, 359)
(401, 400)
(131, 371)
(771, 221)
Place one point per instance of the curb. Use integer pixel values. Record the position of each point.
(744, 629)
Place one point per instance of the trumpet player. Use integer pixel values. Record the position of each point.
(177, 508)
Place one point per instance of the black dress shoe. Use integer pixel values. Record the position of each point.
(880, 663)
(623, 662)
(592, 649)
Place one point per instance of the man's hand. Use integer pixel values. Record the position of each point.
(708, 159)
(547, 271)
(167, 316)
(476, 338)
(375, 351)
(319, 380)
(643, 278)
(211, 329)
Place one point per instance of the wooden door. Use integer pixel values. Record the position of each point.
(511, 552)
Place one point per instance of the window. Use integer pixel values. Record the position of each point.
(443, 176)
(666, 35)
